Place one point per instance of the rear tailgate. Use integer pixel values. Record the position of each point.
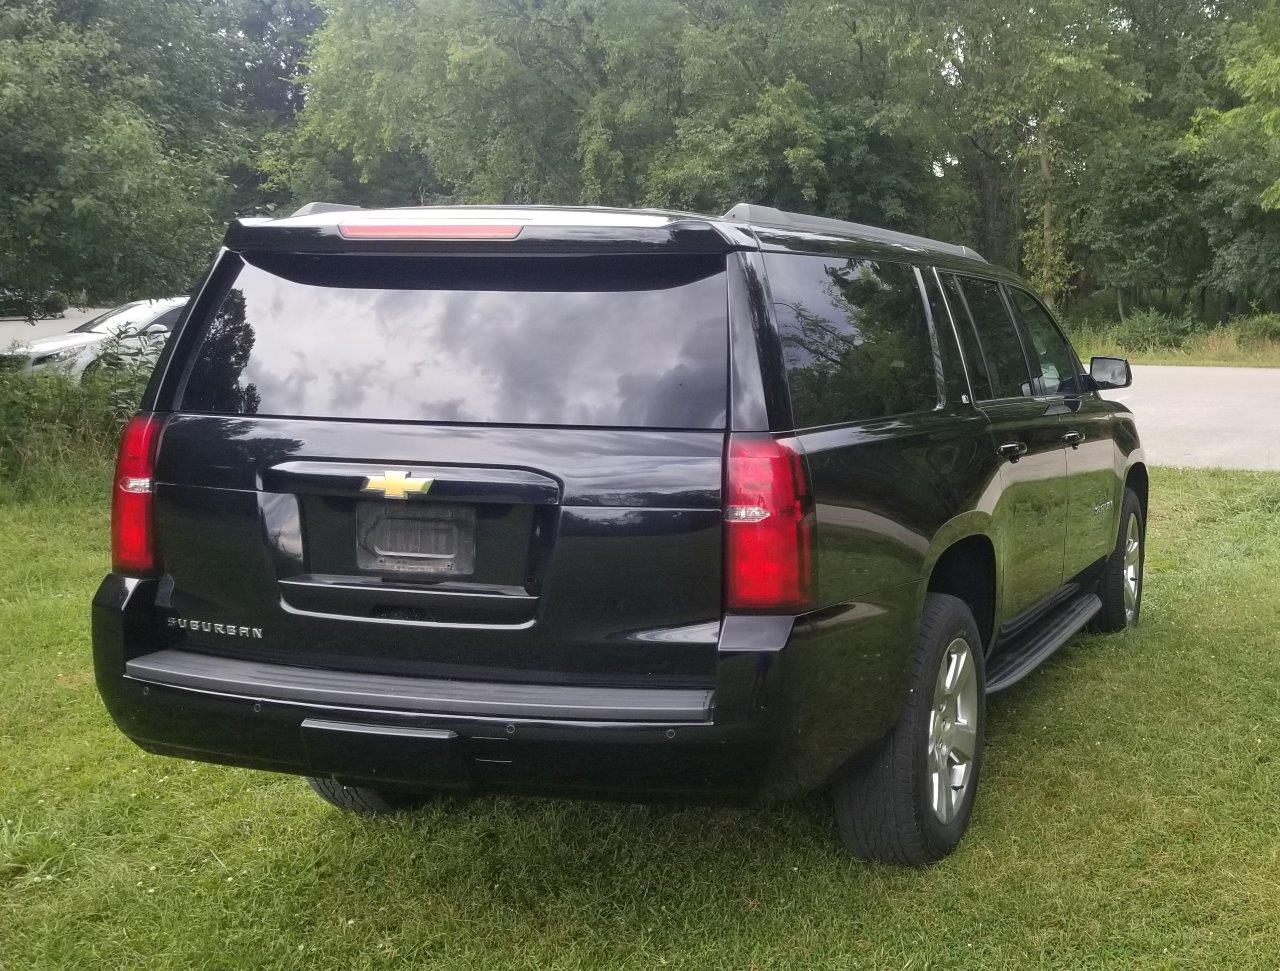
(480, 468)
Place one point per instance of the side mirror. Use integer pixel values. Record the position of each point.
(1110, 372)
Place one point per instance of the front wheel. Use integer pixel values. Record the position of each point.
(1120, 586)
(909, 799)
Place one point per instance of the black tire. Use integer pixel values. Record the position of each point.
(1112, 585)
(884, 799)
(363, 800)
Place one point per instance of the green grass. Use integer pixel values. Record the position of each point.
(1215, 348)
(1129, 814)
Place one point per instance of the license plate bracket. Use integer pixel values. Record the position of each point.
(426, 539)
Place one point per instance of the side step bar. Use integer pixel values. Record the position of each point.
(1013, 663)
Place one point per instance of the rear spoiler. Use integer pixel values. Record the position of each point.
(313, 233)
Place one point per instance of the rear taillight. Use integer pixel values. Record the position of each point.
(768, 527)
(132, 533)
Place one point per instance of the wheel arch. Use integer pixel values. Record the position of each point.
(965, 567)
(1137, 479)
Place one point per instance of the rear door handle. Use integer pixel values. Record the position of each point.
(1013, 450)
(1073, 439)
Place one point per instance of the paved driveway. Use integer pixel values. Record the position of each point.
(1207, 416)
(19, 330)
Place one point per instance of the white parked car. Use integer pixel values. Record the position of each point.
(134, 328)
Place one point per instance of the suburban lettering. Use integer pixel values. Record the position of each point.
(228, 630)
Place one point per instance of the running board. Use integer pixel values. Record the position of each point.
(1013, 663)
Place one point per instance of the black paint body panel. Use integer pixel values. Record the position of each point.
(597, 568)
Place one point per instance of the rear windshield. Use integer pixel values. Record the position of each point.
(629, 341)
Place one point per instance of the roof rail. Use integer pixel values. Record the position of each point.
(746, 212)
(315, 208)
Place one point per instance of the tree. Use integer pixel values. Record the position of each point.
(1085, 142)
(269, 40)
(669, 102)
(1144, 221)
(107, 190)
(1239, 149)
(807, 106)
(128, 134)
(1024, 90)
(1142, 212)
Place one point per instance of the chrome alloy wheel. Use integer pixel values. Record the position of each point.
(1132, 571)
(953, 730)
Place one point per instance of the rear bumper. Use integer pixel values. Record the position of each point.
(425, 733)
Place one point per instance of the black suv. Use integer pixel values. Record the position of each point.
(611, 503)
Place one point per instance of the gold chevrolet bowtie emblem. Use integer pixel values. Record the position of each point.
(396, 485)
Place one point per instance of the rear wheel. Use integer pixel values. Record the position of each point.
(362, 799)
(1121, 584)
(909, 799)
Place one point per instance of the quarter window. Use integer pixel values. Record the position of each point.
(854, 337)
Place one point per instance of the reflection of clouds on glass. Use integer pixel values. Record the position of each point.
(651, 357)
(685, 387)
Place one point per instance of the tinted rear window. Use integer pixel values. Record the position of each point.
(630, 341)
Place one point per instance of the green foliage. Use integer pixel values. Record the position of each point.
(32, 304)
(1239, 150)
(1253, 71)
(1051, 137)
(56, 432)
(1046, 260)
(1258, 328)
(1141, 211)
(1251, 341)
(1085, 147)
(269, 40)
(1024, 92)
(1146, 330)
(106, 191)
(127, 131)
(689, 104)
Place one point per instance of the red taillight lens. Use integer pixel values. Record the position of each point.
(132, 538)
(425, 231)
(768, 527)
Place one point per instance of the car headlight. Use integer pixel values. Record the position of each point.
(56, 357)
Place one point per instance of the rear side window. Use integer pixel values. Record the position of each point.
(854, 338)
(997, 341)
(627, 341)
